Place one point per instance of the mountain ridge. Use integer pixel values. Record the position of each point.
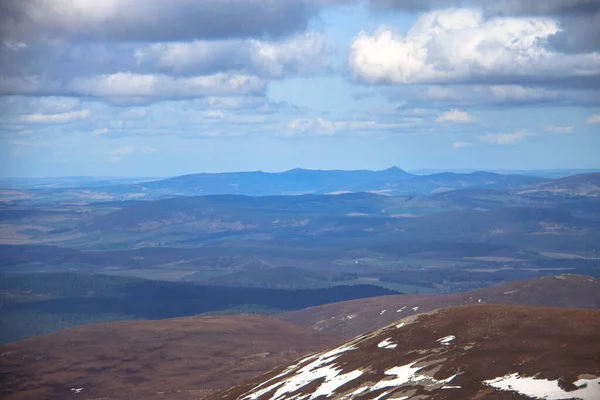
(355, 317)
(463, 352)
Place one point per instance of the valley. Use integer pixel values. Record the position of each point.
(182, 293)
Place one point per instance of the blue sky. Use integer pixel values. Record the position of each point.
(113, 89)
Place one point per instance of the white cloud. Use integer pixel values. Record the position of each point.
(122, 151)
(417, 111)
(560, 129)
(100, 131)
(116, 155)
(60, 118)
(301, 54)
(456, 116)
(462, 145)
(130, 20)
(594, 119)
(323, 127)
(460, 45)
(124, 85)
(518, 93)
(504, 139)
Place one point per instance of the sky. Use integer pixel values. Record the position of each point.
(164, 88)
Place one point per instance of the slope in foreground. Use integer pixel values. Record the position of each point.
(465, 352)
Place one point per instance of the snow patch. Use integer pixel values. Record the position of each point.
(587, 389)
(382, 311)
(400, 325)
(387, 344)
(407, 374)
(445, 341)
(321, 366)
(415, 308)
(400, 309)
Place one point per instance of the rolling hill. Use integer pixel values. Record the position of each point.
(465, 352)
(587, 184)
(351, 318)
(183, 358)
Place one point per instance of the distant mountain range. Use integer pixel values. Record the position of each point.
(392, 181)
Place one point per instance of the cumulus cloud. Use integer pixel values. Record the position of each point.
(62, 48)
(299, 55)
(456, 116)
(154, 20)
(125, 86)
(498, 7)
(580, 19)
(594, 120)
(462, 46)
(504, 139)
(61, 118)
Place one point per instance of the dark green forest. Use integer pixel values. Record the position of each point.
(33, 304)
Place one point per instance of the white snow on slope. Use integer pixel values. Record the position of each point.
(382, 311)
(400, 309)
(400, 325)
(445, 341)
(323, 366)
(387, 344)
(415, 308)
(405, 375)
(587, 389)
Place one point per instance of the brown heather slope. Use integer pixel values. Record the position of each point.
(350, 318)
(458, 353)
(182, 358)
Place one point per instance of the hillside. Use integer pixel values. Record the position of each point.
(467, 352)
(351, 318)
(182, 358)
(575, 185)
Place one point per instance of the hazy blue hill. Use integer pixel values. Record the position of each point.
(445, 181)
(295, 181)
(392, 181)
(587, 184)
(590, 177)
